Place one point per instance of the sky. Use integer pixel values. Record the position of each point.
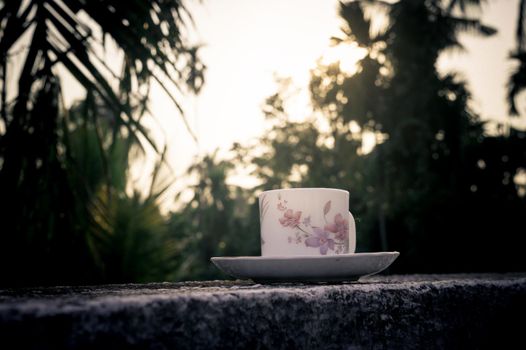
(485, 64)
(247, 43)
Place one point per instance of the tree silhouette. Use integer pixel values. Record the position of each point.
(435, 186)
(517, 81)
(43, 210)
(219, 219)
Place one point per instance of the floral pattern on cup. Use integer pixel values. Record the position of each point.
(320, 239)
(290, 218)
(328, 236)
(340, 227)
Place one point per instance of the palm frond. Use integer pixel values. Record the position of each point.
(150, 33)
(517, 81)
(473, 26)
(463, 5)
(356, 22)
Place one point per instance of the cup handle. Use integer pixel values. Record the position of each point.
(352, 234)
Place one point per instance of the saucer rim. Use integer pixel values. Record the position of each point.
(299, 257)
(322, 269)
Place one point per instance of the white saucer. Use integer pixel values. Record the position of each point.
(323, 268)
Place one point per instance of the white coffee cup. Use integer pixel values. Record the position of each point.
(306, 221)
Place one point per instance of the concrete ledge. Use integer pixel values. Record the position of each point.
(384, 312)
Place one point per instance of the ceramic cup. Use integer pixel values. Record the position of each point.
(306, 221)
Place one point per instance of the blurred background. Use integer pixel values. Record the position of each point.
(135, 136)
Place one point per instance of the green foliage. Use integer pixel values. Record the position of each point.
(132, 238)
(127, 236)
(66, 214)
(218, 220)
(38, 217)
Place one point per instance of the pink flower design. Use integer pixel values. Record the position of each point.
(290, 219)
(340, 227)
(320, 239)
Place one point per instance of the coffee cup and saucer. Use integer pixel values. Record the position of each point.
(307, 235)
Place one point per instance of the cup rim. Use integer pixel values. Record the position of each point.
(306, 189)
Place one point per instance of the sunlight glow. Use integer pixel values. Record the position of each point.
(520, 182)
(347, 55)
(354, 127)
(368, 142)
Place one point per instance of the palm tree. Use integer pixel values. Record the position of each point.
(41, 207)
(125, 233)
(150, 34)
(426, 173)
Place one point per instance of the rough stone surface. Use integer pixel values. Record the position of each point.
(381, 312)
